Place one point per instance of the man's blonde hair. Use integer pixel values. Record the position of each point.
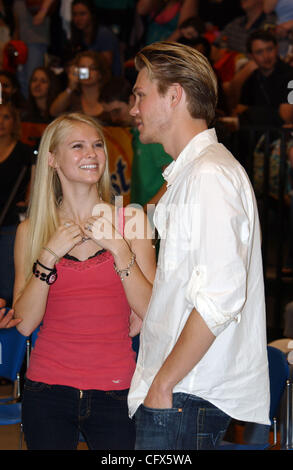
(47, 192)
(171, 62)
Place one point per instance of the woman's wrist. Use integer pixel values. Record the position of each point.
(46, 258)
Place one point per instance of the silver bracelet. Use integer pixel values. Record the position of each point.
(52, 253)
(122, 273)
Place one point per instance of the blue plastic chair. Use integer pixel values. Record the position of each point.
(278, 374)
(13, 347)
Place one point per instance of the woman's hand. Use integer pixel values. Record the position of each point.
(73, 79)
(101, 230)
(66, 237)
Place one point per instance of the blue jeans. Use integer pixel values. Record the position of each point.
(192, 424)
(54, 415)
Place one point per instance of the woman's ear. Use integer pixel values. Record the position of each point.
(52, 160)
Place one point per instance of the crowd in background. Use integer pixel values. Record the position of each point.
(59, 56)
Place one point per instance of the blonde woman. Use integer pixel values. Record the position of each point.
(81, 289)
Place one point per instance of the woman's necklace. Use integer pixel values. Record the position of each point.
(84, 238)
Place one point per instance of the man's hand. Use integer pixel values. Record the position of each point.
(157, 398)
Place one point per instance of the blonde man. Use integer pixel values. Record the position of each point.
(202, 357)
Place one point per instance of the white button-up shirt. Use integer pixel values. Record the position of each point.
(210, 259)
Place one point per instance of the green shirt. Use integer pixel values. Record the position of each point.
(147, 167)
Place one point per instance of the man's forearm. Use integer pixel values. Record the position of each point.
(192, 344)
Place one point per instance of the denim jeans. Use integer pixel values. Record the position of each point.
(54, 416)
(192, 424)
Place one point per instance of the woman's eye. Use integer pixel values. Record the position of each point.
(76, 146)
(99, 144)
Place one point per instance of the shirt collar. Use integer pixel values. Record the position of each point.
(190, 152)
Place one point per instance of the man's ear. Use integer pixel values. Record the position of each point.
(52, 160)
(175, 92)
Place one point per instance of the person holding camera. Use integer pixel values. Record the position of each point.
(87, 74)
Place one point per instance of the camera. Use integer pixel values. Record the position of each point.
(83, 73)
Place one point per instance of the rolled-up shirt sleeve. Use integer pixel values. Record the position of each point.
(218, 284)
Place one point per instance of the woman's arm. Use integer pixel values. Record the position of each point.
(30, 298)
(189, 8)
(63, 100)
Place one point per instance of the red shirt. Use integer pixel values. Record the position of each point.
(84, 339)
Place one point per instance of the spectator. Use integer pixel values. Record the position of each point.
(163, 18)
(16, 165)
(43, 88)
(88, 34)
(11, 92)
(284, 12)
(86, 76)
(35, 36)
(234, 35)
(264, 96)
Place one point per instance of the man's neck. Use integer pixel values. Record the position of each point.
(177, 139)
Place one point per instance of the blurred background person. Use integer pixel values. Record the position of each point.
(16, 172)
(86, 76)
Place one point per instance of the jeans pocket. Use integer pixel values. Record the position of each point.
(32, 386)
(212, 424)
(157, 428)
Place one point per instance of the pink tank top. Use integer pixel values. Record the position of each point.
(84, 339)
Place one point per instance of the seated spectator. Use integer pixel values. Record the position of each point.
(149, 160)
(284, 12)
(264, 96)
(16, 167)
(10, 90)
(234, 35)
(86, 76)
(88, 34)
(43, 88)
(163, 18)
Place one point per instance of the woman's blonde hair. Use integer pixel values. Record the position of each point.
(47, 194)
(171, 62)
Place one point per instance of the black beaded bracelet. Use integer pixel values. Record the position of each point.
(49, 278)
